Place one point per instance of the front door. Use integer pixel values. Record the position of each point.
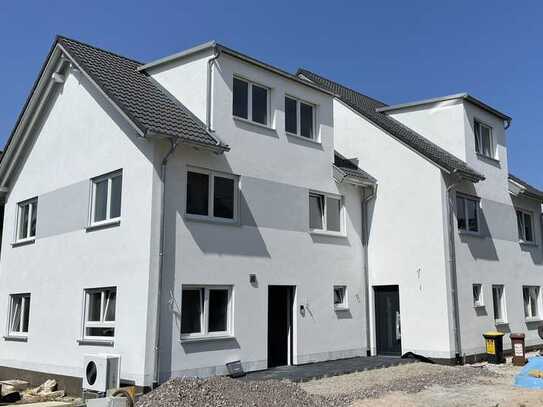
(387, 320)
(280, 300)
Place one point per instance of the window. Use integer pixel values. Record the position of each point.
(27, 215)
(531, 301)
(340, 297)
(525, 226)
(206, 311)
(467, 214)
(106, 198)
(211, 195)
(325, 213)
(484, 143)
(498, 301)
(19, 314)
(250, 101)
(478, 296)
(299, 118)
(100, 307)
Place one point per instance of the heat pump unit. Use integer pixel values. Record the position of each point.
(101, 372)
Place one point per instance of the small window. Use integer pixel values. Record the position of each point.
(478, 296)
(340, 297)
(467, 214)
(100, 308)
(250, 101)
(484, 143)
(27, 215)
(206, 311)
(299, 118)
(19, 314)
(211, 195)
(525, 226)
(325, 213)
(106, 198)
(531, 302)
(498, 301)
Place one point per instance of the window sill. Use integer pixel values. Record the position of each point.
(326, 233)
(23, 242)
(487, 158)
(341, 309)
(533, 319)
(16, 338)
(298, 137)
(499, 322)
(526, 243)
(471, 234)
(264, 126)
(478, 306)
(103, 225)
(96, 342)
(208, 219)
(207, 338)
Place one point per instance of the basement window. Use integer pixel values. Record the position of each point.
(299, 118)
(106, 198)
(340, 297)
(525, 226)
(100, 307)
(211, 195)
(467, 214)
(326, 213)
(27, 215)
(478, 296)
(531, 302)
(250, 101)
(206, 311)
(19, 314)
(484, 143)
(498, 301)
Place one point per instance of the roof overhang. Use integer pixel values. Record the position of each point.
(520, 190)
(341, 176)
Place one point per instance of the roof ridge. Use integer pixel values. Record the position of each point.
(62, 37)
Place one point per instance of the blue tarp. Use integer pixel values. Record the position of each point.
(523, 379)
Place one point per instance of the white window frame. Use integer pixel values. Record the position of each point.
(530, 317)
(204, 315)
(103, 310)
(477, 201)
(250, 102)
(342, 232)
(478, 302)
(503, 303)
(25, 299)
(210, 193)
(33, 202)
(345, 304)
(298, 118)
(522, 238)
(108, 220)
(479, 140)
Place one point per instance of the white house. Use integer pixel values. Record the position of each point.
(263, 216)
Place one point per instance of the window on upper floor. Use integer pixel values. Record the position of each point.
(250, 101)
(525, 226)
(484, 142)
(211, 195)
(27, 215)
(206, 311)
(106, 198)
(299, 118)
(100, 308)
(340, 297)
(19, 314)
(326, 213)
(478, 295)
(467, 214)
(498, 302)
(531, 302)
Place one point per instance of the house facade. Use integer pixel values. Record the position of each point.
(208, 207)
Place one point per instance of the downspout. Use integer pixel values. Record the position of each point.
(210, 63)
(173, 146)
(453, 272)
(365, 241)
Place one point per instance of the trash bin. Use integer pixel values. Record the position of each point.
(519, 350)
(494, 347)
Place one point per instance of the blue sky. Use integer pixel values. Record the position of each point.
(395, 51)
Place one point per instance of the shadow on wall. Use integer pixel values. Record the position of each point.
(481, 246)
(535, 251)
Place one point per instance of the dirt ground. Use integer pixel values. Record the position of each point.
(429, 385)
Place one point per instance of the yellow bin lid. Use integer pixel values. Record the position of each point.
(494, 333)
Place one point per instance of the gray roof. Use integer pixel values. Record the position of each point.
(527, 189)
(152, 110)
(349, 168)
(367, 107)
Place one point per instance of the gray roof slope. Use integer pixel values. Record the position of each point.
(367, 106)
(351, 169)
(528, 189)
(148, 106)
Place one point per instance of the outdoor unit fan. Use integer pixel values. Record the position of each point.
(101, 372)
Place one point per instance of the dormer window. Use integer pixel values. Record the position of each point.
(299, 118)
(484, 143)
(250, 101)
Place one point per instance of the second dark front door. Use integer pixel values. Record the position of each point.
(387, 320)
(280, 300)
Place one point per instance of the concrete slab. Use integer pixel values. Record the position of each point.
(48, 404)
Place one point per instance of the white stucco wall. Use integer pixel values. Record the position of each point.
(82, 137)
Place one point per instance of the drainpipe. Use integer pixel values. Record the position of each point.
(365, 239)
(173, 146)
(453, 272)
(210, 63)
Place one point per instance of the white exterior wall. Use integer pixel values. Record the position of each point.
(272, 239)
(407, 236)
(82, 137)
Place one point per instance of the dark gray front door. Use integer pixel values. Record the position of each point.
(387, 320)
(280, 300)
